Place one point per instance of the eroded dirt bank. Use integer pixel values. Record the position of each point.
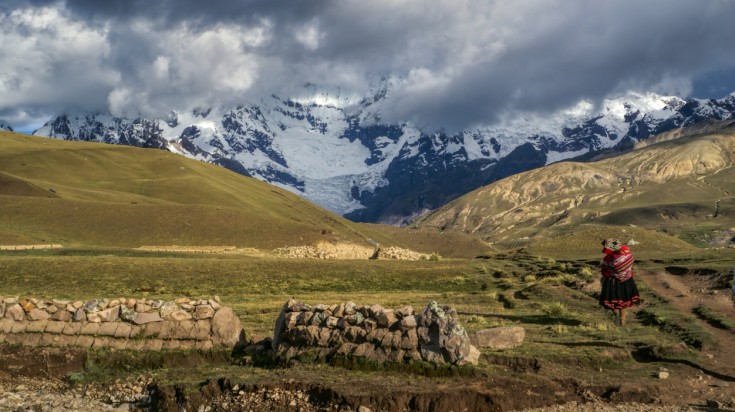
(495, 395)
(43, 380)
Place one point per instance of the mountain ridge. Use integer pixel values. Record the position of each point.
(681, 186)
(334, 151)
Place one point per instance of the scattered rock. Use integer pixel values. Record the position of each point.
(498, 338)
(396, 253)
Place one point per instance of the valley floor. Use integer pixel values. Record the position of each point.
(572, 361)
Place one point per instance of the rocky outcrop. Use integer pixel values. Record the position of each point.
(373, 332)
(123, 323)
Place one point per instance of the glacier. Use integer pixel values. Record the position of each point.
(332, 148)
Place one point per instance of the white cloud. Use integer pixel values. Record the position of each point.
(187, 68)
(462, 62)
(49, 59)
(309, 35)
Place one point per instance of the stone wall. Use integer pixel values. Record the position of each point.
(373, 332)
(340, 250)
(123, 323)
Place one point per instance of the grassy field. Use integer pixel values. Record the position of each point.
(503, 290)
(567, 333)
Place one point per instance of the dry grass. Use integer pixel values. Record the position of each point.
(664, 195)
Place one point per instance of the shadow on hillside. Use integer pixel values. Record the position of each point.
(580, 344)
(532, 319)
(644, 357)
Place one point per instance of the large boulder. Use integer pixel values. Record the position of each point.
(226, 327)
(441, 336)
(498, 338)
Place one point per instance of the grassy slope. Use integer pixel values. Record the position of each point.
(78, 193)
(95, 194)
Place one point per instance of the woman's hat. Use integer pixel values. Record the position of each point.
(612, 244)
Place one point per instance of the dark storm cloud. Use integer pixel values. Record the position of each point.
(461, 63)
(174, 11)
(583, 52)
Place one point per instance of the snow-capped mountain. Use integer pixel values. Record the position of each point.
(5, 125)
(334, 150)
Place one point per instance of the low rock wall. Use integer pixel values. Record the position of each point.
(373, 332)
(123, 323)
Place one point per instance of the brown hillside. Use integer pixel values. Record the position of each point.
(680, 187)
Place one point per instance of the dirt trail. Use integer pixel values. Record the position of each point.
(688, 291)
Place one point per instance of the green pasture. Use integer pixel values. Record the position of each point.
(543, 295)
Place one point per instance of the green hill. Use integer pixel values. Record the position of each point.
(673, 194)
(77, 193)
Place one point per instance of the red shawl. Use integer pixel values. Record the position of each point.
(617, 264)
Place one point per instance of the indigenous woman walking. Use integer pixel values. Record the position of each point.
(619, 291)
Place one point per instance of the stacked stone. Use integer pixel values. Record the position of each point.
(372, 332)
(122, 323)
(396, 253)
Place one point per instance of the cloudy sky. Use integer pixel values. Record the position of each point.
(462, 62)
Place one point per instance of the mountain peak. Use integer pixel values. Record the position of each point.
(331, 147)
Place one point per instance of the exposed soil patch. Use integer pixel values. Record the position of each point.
(495, 394)
(714, 371)
(515, 364)
(688, 291)
(50, 363)
(520, 388)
